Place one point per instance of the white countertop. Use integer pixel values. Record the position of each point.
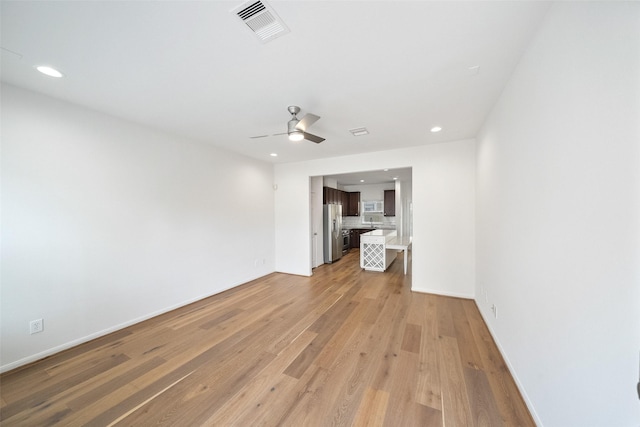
(369, 228)
(399, 242)
(379, 232)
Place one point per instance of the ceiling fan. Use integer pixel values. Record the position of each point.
(297, 128)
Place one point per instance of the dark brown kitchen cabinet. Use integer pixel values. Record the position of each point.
(337, 199)
(389, 202)
(355, 236)
(354, 204)
(330, 196)
(344, 201)
(350, 201)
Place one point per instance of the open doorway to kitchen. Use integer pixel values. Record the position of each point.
(379, 199)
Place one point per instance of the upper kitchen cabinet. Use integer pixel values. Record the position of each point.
(337, 197)
(330, 196)
(350, 201)
(354, 204)
(389, 202)
(344, 201)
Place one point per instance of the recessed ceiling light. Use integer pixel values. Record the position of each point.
(49, 71)
(386, 170)
(395, 178)
(274, 154)
(436, 129)
(359, 131)
(362, 180)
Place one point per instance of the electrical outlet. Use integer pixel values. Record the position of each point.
(36, 326)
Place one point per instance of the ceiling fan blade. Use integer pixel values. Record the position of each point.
(283, 133)
(307, 121)
(313, 138)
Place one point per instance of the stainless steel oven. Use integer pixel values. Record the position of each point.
(346, 241)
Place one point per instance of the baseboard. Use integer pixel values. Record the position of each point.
(446, 294)
(82, 340)
(512, 371)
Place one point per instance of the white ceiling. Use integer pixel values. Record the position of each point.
(194, 69)
(373, 177)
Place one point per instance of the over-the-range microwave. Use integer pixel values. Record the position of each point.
(373, 206)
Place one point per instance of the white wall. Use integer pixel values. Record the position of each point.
(105, 223)
(330, 182)
(405, 202)
(443, 212)
(558, 195)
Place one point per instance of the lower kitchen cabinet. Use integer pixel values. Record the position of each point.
(355, 236)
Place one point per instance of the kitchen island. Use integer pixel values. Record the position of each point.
(378, 249)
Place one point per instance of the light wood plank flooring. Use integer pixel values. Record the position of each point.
(344, 347)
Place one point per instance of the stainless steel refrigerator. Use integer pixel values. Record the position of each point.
(332, 231)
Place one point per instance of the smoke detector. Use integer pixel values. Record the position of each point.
(261, 19)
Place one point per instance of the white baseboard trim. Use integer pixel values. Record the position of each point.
(446, 294)
(512, 371)
(51, 351)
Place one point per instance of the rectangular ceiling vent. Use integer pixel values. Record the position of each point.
(359, 131)
(261, 19)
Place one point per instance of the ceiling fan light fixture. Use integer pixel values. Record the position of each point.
(297, 129)
(296, 135)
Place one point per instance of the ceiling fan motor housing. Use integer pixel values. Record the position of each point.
(293, 109)
(292, 125)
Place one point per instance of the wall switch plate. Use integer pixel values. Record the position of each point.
(36, 326)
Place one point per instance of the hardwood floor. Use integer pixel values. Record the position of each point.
(344, 347)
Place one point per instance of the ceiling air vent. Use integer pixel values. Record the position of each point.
(261, 19)
(359, 131)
